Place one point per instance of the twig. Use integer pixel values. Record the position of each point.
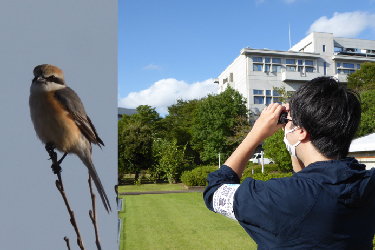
(67, 242)
(92, 215)
(59, 184)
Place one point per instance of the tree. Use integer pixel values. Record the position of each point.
(147, 116)
(214, 120)
(178, 124)
(284, 95)
(363, 82)
(179, 120)
(169, 159)
(367, 124)
(362, 79)
(134, 147)
(240, 130)
(274, 148)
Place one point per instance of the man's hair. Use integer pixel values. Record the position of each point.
(329, 112)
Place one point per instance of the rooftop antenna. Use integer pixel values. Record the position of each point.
(290, 40)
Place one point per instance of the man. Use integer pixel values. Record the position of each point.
(329, 202)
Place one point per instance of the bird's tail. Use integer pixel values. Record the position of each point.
(88, 163)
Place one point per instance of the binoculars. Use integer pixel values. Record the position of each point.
(283, 118)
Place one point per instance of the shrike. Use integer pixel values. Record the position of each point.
(60, 120)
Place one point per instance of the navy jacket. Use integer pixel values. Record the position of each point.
(327, 205)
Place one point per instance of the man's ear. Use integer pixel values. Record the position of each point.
(303, 135)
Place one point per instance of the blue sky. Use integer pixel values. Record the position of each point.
(170, 49)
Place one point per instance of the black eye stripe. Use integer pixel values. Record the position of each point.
(55, 80)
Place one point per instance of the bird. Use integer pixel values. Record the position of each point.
(60, 120)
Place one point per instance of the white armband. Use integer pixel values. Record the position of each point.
(223, 200)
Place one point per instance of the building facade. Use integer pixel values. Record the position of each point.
(124, 111)
(255, 72)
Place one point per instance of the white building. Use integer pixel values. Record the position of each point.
(255, 72)
(363, 149)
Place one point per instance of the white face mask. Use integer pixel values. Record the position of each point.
(291, 148)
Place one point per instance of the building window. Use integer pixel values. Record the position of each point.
(325, 68)
(267, 68)
(277, 100)
(290, 68)
(309, 62)
(257, 67)
(290, 61)
(300, 62)
(268, 100)
(276, 60)
(266, 60)
(300, 68)
(258, 92)
(276, 68)
(309, 69)
(348, 71)
(324, 48)
(257, 59)
(258, 100)
(358, 66)
(348, 65)
(337, 49)
(275, 93)
(338, 64)
(268, 92)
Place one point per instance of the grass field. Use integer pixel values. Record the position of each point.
(151, 187)
(177, 221)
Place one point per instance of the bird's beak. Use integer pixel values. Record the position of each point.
(41, 80)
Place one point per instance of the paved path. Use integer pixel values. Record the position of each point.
(190, 190)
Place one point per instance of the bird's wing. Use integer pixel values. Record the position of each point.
(73, 104)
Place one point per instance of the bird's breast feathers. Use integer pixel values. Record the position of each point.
(52, 122)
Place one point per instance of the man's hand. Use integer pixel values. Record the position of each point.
(266, 125)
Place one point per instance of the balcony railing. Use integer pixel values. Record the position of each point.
(298, 76)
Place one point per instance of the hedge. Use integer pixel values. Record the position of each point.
(197, 176)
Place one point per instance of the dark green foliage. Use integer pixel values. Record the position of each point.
(214, 120)
(197, 176)
(270, 171)
(274, 148)
(178, 124)
(169, 159)
(363, 79)
(134, 147)
(135, 137)
(267, 176)
(367, 124)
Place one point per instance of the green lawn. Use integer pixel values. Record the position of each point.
(151, 187)
(177, 221)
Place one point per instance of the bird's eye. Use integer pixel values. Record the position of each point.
(56, 79)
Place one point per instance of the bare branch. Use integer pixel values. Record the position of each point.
(92, 214)
(59, 184)
(67, 242)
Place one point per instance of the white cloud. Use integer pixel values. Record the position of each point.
(165, 92)
(152, 66)
(348, 24)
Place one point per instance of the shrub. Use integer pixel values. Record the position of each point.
(270, 171)
(265, 176)
(197, 176)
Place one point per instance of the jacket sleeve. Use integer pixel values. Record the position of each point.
(225, 175)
